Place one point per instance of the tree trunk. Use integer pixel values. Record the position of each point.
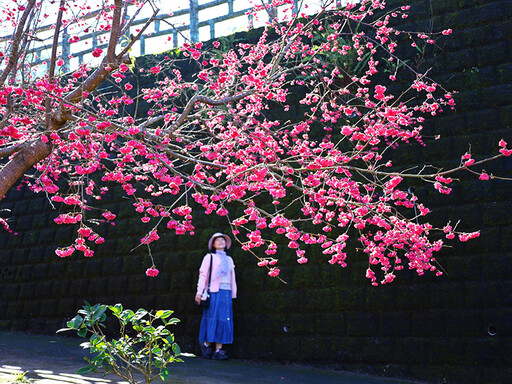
(21, 163)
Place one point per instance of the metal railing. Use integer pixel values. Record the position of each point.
(176, 27)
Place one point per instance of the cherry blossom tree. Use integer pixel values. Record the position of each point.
(210, 141)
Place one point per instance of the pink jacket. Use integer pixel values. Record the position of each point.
(204, 274)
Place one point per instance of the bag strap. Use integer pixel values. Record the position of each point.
(210, 277)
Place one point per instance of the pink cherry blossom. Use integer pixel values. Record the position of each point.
(97, 52)
(152, 272)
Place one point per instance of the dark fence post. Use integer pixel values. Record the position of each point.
(212, 29)
(194, 21)
(272, 12)
(66, 49)
(296, 6)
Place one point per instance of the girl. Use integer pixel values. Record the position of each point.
(217, 322)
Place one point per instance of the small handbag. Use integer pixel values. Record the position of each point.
(205, 297)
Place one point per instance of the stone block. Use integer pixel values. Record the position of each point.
(361, 324)
(24, 223)
(112, 265)
(483, 294)
(497, 96)
(387, 297)
(247, 325)
(428, 323)
(183, 281)
(464, 322)
(137, 284)
(97, 286)
(495, 214)
(23, 273)
(117, 285)
(7, 273)
(506, 290)
(60, 288)
(93, 267)
(78, 288)
(36, 325)
(43, 289)
(349, 299)
(447, 295)
(394, 323)
(38, 254)
(132, 264)
(31, 309)
(27, 290)
(414, 296)
(68, 308)
(74, 267)
(477, 36)
(159, 285)
(11, 292)
(497, 323)
(144, 301)
(494, 351)
(30, 239)
(56, 269)
(506, 240)
(48, 308)
(175, 260)
(493, 374)
(496, 266)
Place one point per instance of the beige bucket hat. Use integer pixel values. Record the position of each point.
(218, 234)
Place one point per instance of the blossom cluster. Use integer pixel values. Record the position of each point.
(214, 141)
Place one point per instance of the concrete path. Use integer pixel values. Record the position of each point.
(55, 360)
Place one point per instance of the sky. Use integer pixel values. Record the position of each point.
(155, 44)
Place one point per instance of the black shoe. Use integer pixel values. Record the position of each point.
(206, 351)
(220, 355)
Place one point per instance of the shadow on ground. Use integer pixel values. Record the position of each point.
(55, 360)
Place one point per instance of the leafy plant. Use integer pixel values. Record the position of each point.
(18, 378)
(144, 346)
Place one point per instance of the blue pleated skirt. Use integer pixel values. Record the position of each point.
(217, 321)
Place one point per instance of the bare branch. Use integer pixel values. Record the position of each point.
(208, 101)
(16, 41)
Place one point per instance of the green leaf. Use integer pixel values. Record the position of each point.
(82, 332)
(116, 309)
(86, 370)
(163, 314)
(139, 314)
(99, 310)
(156, 351)
(165, 374)
(176, 349)
(127, 315)
(75, 322)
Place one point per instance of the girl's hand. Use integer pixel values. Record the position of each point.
(198, 299)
